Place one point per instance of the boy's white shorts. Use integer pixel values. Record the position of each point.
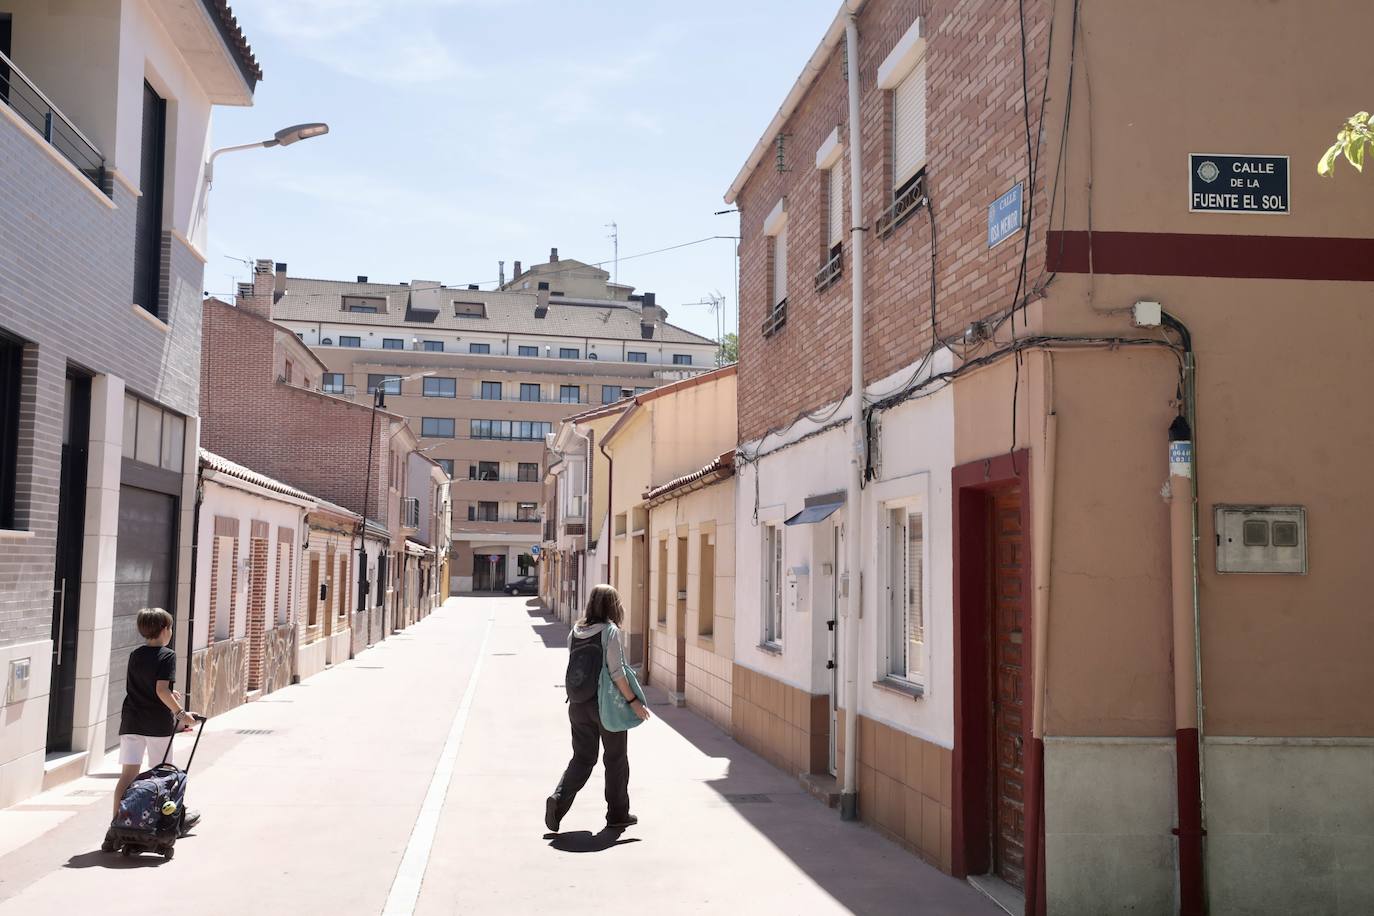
(133, 748)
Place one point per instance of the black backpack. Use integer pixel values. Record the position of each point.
(584, 669)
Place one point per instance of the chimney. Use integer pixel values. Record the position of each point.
(650, 314)
(362, 278)
(553, 255)
(502, 274)
(472, 286)
(256, 296)
(541, 300)
(516, 275)
(279, 287)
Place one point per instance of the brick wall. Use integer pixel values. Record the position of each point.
(311, 441)
(66, 287)
(976, 144)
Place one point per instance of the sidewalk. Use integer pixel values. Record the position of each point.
(314, 799)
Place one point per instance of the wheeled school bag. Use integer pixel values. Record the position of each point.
(153, 807)
(585, 661)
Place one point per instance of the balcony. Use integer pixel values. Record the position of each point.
(831, 270)
(32, 106)
(777, 318)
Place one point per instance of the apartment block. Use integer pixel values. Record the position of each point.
(104, 122)
(1001, 576)
(485, 376)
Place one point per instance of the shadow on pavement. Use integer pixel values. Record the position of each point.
(98, 859)
(586, 841)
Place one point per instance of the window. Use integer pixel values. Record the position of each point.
(569, 394)
(636, 356)
(706, 587)
(363, 309)
(327, 342)
(440, 387)
(148, 215)
(479, 348)
(447, 465)
(432, 346)
(11, 363)
(834, 208)
(526, 512)
(483, 512)
(610, 394)
(289, 375)
(491, 391)
(436, 427)
(393, 343)
(484, 470)
(469, 310)
(528, 471)
(772, 585)
(682, 359)
(528, 351)
(363, 305)
(775, 227)
(568, 353)
(779, 285)
(509, 429)
(283, 587)
(153, 436)
(222, 574)
(332, 383)
(908, 127)
(639, 391)
(529, 392)
(346, 341)
(662, 572)
(390, 384)
(905, 593)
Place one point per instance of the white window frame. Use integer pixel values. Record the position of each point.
(892, 666)
(775, 226)
(773, 599)
(828, 160)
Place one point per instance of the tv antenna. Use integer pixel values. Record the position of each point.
(615, 243)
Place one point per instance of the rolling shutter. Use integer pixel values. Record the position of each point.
(915, 612)
(835, 186)
(909, 125)
(780, 266)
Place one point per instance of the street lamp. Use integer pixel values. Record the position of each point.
(378, 402)
(284, 137)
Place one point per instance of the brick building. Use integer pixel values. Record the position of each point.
(104, 121)
(485, 375)
(261, 407)
(1020, 620)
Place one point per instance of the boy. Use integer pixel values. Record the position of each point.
(152, 709)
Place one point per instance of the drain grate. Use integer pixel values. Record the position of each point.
(256, 731)
(747, 798)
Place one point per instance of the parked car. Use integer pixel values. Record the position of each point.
(525, 585)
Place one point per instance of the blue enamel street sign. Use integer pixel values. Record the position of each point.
(1004, 216)
(1223, 183)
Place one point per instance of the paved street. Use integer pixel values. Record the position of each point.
(388, 784)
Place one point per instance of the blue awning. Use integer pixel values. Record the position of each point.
(817, 509)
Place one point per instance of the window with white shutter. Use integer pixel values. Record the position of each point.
(909, 126)
(780, 266)
(906, 595)
(835, 209)
(772, 585)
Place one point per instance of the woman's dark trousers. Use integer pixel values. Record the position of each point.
(586, 734)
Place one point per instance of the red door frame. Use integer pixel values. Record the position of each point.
(972, 814)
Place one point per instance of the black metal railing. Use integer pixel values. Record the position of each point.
(27, 100)
(907, 201)
(830, 271)
(777, 317)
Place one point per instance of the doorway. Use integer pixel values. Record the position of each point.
(832, 663)
(997, 792)
(639, 570)
(488, 572)
(680, 618)
(71, 526)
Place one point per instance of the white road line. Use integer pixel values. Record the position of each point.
(405, 889)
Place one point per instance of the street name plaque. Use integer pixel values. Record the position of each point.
(1226, 183)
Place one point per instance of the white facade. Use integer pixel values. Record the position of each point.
(916, 449)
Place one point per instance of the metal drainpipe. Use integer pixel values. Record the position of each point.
(849, 797)
(195, 555)
(1187, 643)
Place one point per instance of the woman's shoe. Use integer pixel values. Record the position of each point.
(620, 823)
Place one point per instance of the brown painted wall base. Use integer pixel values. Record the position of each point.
(905, 789)
(789, 728)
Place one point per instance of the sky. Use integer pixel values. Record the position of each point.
(466, 132)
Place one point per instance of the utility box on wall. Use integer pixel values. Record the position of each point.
(1261, 539)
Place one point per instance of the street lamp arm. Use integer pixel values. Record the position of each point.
(210, 166)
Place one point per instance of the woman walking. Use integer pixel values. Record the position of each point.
(598, 679)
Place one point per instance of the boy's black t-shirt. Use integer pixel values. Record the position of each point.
(144, 713)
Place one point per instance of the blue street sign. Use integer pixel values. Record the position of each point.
(534, 550)
(1004, 216)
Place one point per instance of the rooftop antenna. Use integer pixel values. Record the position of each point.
(615, 242)
(714, 303)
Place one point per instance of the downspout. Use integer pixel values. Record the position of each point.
(849, 797)
(1043, 540)
(195, 561)
(1183, 555)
